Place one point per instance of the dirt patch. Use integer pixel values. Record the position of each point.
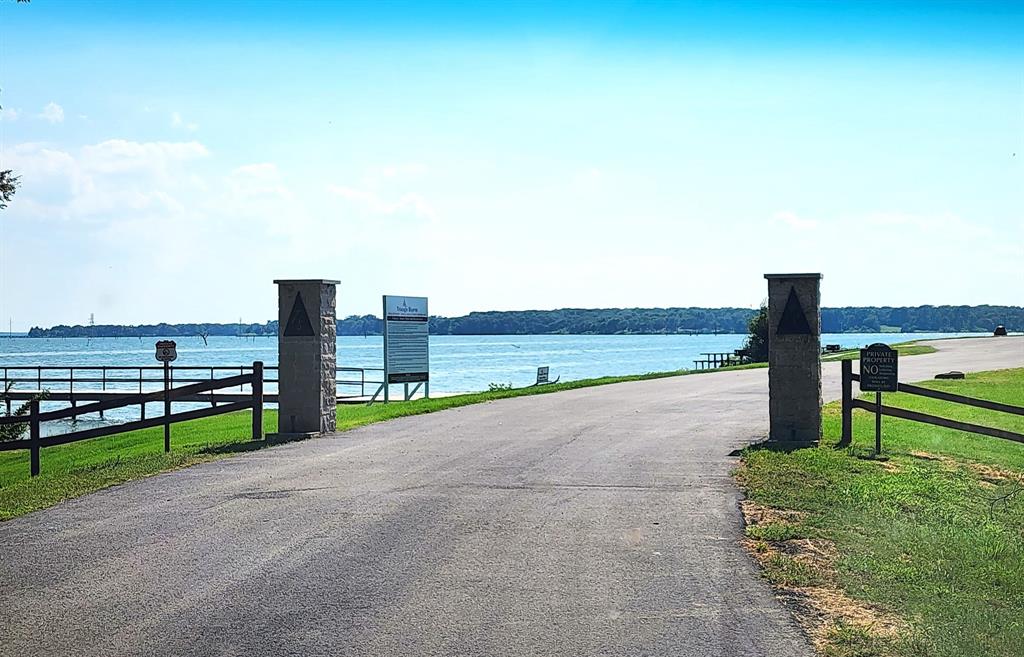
(756, 514)
(890, 467)
(821, 609)
(987, 473)
(992, 474)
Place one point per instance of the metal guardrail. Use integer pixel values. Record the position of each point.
(88, 376)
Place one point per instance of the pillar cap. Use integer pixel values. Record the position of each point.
(773, 276)
(323, 281)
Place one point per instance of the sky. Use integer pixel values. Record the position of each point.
(177, 157)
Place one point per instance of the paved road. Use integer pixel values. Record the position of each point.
(590, 522)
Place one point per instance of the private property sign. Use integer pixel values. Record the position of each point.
(879, 368)
(406, 340)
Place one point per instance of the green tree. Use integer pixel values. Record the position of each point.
(757, 340)
(8, 185)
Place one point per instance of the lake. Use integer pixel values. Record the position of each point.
(458, 363)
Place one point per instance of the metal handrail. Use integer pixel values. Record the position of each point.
(113, 374)
(157, 367)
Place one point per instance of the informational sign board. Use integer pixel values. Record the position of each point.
(166, 351)
(879, 368)
(406, 340)
(542, 375)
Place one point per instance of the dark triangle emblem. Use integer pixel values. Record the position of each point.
(298, 321)
(793, 321)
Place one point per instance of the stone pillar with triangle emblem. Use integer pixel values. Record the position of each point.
(307, 357)
(794, 357)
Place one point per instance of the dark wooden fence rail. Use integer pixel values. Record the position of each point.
(850, 402)
(34, 418)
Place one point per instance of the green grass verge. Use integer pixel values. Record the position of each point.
(926, 536)
(67, 471)
(903, 348)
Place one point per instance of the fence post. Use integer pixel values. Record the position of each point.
(257, 400)
(142, 406)
(847, 437)
(33, 415)
(71, 391)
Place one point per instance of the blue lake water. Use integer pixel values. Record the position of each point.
(457, 363)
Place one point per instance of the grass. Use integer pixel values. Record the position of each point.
(924, 552)
(67, 471)
(903, 348)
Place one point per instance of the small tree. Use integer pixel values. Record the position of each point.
(12, 431)
(757, 341)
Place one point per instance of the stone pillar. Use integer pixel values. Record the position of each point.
(794, 357)
(306, 352)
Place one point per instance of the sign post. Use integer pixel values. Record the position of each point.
(879, 372)
(406, 344)
(167, 351)
(542, 375)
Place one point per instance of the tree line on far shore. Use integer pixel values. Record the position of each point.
(607, 321)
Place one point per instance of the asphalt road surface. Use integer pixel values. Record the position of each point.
(600, 521)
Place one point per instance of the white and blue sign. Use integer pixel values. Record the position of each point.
(406, 339)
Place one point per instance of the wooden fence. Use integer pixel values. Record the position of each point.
(850, 402)
(35, 443)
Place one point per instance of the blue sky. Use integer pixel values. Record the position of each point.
(177, 157)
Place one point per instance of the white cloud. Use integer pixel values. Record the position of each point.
(157, 211)
(9, 114)
(385, 191)
(132, 179)
(120, 155)
(374, 203)
(53, 113)
(795, 222)
(180, 123)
